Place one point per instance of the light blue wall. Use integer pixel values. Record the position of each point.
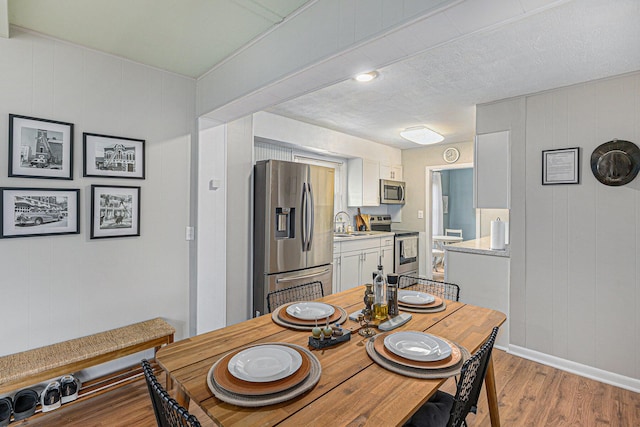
(458, 185)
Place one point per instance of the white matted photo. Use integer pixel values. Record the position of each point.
(115, 211)
(113, 156)
(27, 212)
(40, 148)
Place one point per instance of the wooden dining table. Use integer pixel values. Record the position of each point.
(352, 390)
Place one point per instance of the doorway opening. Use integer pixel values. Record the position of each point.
(449, 215)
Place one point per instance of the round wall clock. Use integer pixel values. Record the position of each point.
(451, 155)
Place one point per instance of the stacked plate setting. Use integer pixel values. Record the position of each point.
(417, 354)
(305, 315)
(263, 374)
(420, 302)
(265, 363)
(417, 346)
(310, 310)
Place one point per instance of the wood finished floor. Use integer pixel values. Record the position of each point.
(529, 394)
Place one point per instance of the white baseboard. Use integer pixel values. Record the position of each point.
(606, 377)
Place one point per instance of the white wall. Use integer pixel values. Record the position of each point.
(575, 279)
(212, 228)
(327, 141)
(239, 219)
(61, 287)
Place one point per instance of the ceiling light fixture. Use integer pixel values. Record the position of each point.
(421, 135)
(366, 77)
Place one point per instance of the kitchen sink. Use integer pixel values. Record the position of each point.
(357, 233)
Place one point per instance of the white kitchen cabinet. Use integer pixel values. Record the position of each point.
(335, 286)
(386, 251)
(356, 267)
(392, 172)
(358, 260)
(491, 184)
(363, 182)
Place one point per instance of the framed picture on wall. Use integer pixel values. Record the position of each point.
(40, 148)
(561, 166)
(113, 156)
(28, 212)
(115, 211)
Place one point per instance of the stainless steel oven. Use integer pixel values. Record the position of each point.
(406, 252)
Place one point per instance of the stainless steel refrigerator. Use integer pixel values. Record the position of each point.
(293, 228)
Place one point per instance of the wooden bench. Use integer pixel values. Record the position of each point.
(34, 366)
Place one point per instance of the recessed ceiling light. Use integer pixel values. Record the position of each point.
(366, 77)
(421, 135)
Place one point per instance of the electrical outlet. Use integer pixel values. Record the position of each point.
(420, 214)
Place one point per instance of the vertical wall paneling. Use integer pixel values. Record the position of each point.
(239, 233)
(582, 258)
(581, 279)
(212, 229)
(539, 229)
(559, 247)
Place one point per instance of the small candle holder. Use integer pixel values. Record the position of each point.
(364, 320)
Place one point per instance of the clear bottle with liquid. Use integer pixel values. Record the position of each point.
(380, 308)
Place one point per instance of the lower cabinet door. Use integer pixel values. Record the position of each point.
(350, 270)
(387, 259)
(337, 266)
(370, 258)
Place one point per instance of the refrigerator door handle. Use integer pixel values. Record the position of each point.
(312, 217)
(308, 276)
(304, 216)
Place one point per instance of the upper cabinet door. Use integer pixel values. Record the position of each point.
(392, 172)
(363, 182)
(492, 171)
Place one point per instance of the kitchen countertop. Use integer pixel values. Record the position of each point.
(481, 246)
(359, 235)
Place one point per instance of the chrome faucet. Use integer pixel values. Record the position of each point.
(335, 221)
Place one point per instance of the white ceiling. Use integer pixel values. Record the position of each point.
(573, 42)
(184, 36)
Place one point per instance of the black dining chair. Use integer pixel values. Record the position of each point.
(305, 292)
(445, 410)
(445, 290)
(168, 412)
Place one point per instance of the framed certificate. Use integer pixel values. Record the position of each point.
(561, 166)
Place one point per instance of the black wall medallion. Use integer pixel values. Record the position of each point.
(616, 162)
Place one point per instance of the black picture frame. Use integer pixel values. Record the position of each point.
(561, 166)
(40, 148)
(115, 211)
(108, 156)
(29, 212)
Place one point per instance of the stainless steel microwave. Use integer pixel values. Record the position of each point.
(392, 192)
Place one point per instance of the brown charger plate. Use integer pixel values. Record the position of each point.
(455, 357)
(227, 381)
(435, 303)
(287, 318)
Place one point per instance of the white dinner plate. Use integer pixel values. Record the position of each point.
(265, 363)
(417, 346)
(415, 298)
(310, 310)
